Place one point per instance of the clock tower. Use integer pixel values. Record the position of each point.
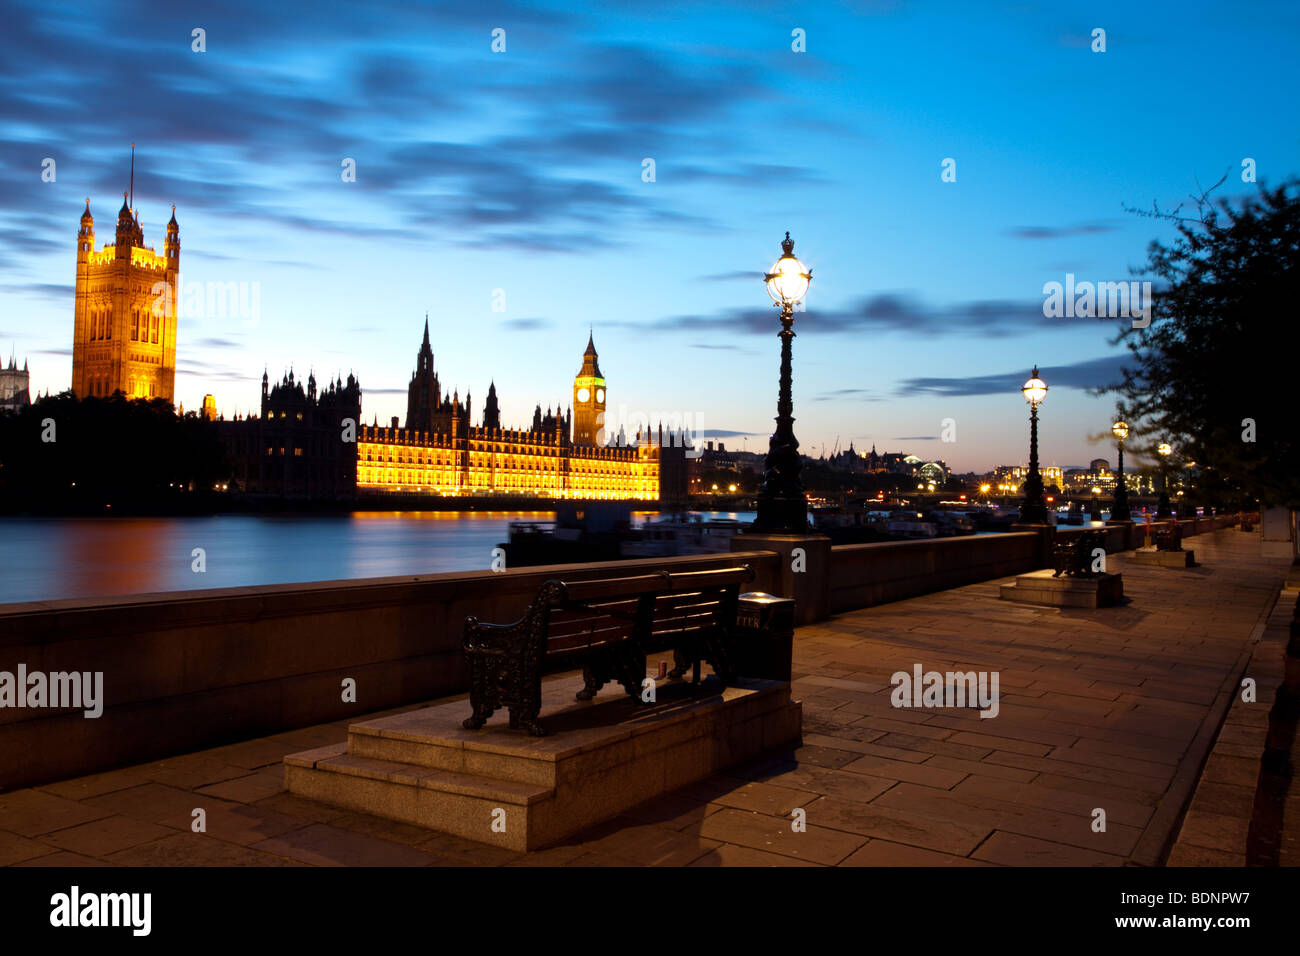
(589, 400)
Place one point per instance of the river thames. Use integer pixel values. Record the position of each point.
(44, 559)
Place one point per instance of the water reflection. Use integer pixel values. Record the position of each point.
(52, 558)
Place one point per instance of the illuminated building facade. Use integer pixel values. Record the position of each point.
(440, 452)
(1008, 479)
(124, 331)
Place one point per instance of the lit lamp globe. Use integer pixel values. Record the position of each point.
(1119, 430)
(1165, 449)
(788, 281)
(1034, 390)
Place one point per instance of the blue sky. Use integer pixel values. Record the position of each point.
(522, 172)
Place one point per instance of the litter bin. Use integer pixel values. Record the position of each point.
(763, 643)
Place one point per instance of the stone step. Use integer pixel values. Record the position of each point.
(512, 790)
(451, 755)
(478, 808)
(1042, 587)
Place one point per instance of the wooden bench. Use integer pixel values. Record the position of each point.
(607, 626)
(1074, 558)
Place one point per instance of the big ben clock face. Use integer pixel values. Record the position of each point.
(600, 395)
(583, 394)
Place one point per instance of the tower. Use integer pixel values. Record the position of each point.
(422, 394)
(491, 412)
(589, 400)
(124, 317)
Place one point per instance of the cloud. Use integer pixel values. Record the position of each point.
(1060, 232)
(898, 311)
(47, 290)
(915, 438)
(858, 394)
(527, 325)
(739, 275)
(1092, 373)
(253, 131)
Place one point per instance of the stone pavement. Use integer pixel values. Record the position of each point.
(1113, 709)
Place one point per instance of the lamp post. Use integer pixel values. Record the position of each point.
(1119, 510)
(782, 505)
(1034, 509)
(1162, 509)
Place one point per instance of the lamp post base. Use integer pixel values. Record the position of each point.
(781, 516)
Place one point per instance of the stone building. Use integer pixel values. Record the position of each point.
(297, 447)
(15, 386)
(124, 327)
(439, 450)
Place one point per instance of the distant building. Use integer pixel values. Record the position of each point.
(296, 448)
(440, 451)
(124, 319)
(210, 408)
(1008, 479)
(313, 445)
(15, 386)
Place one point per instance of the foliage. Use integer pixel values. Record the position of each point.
(1222, 347)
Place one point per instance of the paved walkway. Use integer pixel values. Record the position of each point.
(1114, 709)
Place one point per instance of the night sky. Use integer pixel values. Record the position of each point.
(522, 172)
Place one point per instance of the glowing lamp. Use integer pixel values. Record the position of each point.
(1034, 390)
(788, 281)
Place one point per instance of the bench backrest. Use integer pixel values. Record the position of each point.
(593, 613)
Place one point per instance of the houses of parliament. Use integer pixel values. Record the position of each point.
(308, 441)
(440, 451)
(297, 446)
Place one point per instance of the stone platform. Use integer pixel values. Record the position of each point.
(1039, 587)
(1163, 559)
(520, 792)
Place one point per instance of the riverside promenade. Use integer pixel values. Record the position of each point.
(1117, 709)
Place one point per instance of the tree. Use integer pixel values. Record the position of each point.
(65, 455)
(1214, 372)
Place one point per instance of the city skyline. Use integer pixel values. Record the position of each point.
(517, 179)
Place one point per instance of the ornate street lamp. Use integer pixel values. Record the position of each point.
(1119, 510)
(1034, 508)
(1162, 509)
(782, 505)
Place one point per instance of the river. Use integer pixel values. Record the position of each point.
(43, 559)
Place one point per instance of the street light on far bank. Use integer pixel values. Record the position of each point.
(1164, 449)
(1119, 509)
